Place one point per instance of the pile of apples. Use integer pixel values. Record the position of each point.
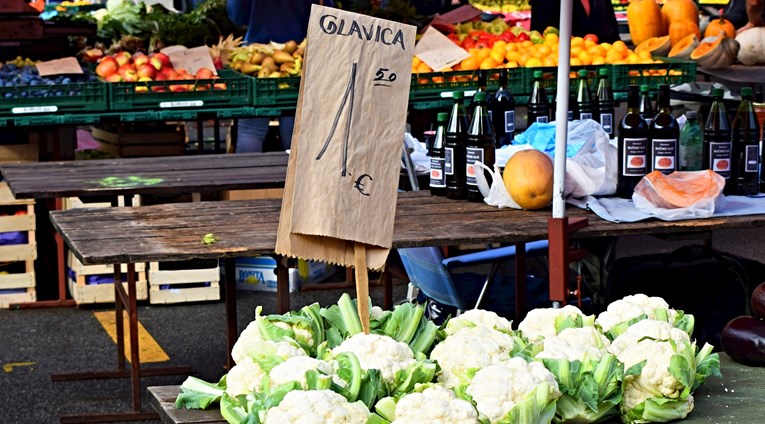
(139, 67)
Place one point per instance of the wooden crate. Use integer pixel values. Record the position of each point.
(77, 203)
(103, 293)
(144, 141)
(254, 194)
(25, 254)
(180, 286)
(6, 299)
(16, 153)
(75, 265)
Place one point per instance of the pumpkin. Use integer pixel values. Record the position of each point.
(528, 177)
(657, 46)
(675, 10)
(752, 43)
(682, 28)
(644, 20)
(682, 50)
(716, 52)
(715, 26)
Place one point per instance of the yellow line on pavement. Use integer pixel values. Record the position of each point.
(149, 349)
(11, 365)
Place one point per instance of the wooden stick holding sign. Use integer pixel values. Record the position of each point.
(339, 199)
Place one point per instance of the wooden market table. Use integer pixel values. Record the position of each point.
(126, 177)
(735, 398)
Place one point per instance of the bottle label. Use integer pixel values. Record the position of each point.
(472, 155)
(664, 152)
(585, 115)
(570, 115)
(448, 161)
(437, 177)
(719, 158)
(509, 121)
(751, 156)
(542, 119)
(634, 160)
(606, 121)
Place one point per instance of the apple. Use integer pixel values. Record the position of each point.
(106, 67)
(147, 71)
(156, 63)
(114, 78)
(169, 73)
(128, 67)
(160, 77)
(123, 58)
(178, 88)
(159, 89)
(141, 89)
(162, 58)
(220, 86)
(204, 73)
(140, 59)
(129, 76)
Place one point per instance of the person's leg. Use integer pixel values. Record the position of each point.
(251, 132)
(286, 123)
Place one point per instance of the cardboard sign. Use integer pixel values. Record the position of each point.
(192, 59)
(437, 51)
(344, 166)
(66, 65)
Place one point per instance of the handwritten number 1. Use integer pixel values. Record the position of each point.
(349, 93)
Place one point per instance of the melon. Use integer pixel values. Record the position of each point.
(683, 49)
(752, 42)
(716, 52)
(528, 177)
(657, 46)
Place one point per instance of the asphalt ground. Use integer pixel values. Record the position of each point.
(35, 343)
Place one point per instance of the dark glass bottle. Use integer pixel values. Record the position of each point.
(605, 103)
(718, 149)
(437, 177)
(633, 146)
(502, 112)
(646, 108)
(663, 136)
(480, 88)
(583, 104)
(746, 147)
(480, 146)
(539, 105)
(454, 148)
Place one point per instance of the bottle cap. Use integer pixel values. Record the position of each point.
(582, 73)
(537, 74)
(746, 91)
(644, 88)
(480, 96)
(691, 114)
(717, 92)
(442, 117)
(603, 72)
(458, 95)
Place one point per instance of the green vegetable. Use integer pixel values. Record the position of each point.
(350, 373)
(199, 394)
(209, 239)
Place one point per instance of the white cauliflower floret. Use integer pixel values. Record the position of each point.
(658, 330)
(378, 352)
(434, 405)
(376, 312)
(496, 389)
(294, 369)
(478, 318)
(540, 323)
(470, 348)
(317, 407)
(575, 344)
(631, 307)
(250, 338)
(655, 379)
(244, 377)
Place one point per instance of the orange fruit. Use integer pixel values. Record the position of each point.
(585, 58)
(550, 61)
(416, 62)
(469, 64)
(499, 45)
(498, 57)
(575, 50)
(598, 60)
(575, 61)
(533, 62)
(645, 55)
(620, 47)
(589, 44)
(544, 50)
(512, 56)
(483, 53)
(522, 60)
(597, 51)
(488, 63)
(576, 41)
(511, 64)
(423, 68)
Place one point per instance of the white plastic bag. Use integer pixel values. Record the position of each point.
(593, 170)
(496, 194)
(647, 200)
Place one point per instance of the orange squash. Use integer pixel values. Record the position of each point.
(675, 10)
(528, 177)
(682, 28)
(682, 50)
(644, 20)
(680, 189)
(657, 46)
(716, 52)
(715, 26)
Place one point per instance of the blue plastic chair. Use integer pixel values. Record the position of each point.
(432, 274)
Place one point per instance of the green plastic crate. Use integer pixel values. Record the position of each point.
(159, 95)
(274, 92)
(22, 100)
(550, 77)
(432, 86)
(670, 71)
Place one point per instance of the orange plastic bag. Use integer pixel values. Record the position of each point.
(680, 195)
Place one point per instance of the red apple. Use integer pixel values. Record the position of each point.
(178, 88)
(159, 77)
(128, 67)
(106, 67)
(169, 73)
(220, 86)
(158, 89)
(130, 76)
(141, 89)
(114, 78)
(140, 59)
(147, 71)
(204, 73)
(123, 58)
(163, 59)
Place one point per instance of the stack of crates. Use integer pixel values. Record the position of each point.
(18, 249)
(179, 282)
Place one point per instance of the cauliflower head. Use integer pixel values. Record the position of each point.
(575, 344)
(658, 330)
(435, 404)
(631, 307)
(378, 352)
(546, 322)
(250, 340)
(655, 379)
(478, 318)
(499, 388)
(294, 369)
(317, 407)
(244, 377)
(469, 349)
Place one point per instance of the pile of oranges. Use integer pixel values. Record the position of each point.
(584, 51)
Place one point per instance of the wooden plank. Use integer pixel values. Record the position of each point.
(7, 198)
(103, 293)
(162, 399)
(80, 269)
(179, 277)
(9, 299)
(17, 281)
(18, 252)
(179, 294)
(265, 193)
(17, 223)
(16, 153)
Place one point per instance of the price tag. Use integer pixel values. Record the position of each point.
(66, 65)
(34, 109)
(437, 51)
(192, 59)
(188, 103)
